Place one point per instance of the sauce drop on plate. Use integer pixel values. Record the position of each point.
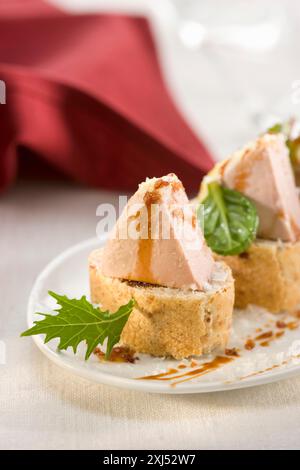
(118, 354)
(177, 377)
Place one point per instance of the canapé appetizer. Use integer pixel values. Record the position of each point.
(266, 266)
(157, 255)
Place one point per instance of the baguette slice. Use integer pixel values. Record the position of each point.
(168, 321)
(268, 275)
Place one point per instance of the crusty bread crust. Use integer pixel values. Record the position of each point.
(165, 321)
(268, 275)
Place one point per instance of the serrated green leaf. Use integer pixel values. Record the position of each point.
(230, 220)
(78, 320)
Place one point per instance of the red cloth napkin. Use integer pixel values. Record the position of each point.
(85, 96)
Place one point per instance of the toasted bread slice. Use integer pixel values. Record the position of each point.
(168, 321)
(268, 275)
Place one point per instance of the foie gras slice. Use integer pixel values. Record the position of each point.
(262, 171)
(157, 239)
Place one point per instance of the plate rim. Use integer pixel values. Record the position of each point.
(101, 377)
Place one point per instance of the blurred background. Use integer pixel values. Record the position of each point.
(107, 92)
(231, 66)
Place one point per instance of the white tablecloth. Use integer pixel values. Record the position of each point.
(41, 406)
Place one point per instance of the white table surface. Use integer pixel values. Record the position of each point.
(44, 407)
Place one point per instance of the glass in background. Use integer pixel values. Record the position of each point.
(249, 48)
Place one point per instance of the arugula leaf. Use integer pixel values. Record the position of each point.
(288, 129)
(78, 320)
(230, 220)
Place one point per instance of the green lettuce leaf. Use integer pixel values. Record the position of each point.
(230, 220)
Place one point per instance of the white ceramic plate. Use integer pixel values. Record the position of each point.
(68, 274)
